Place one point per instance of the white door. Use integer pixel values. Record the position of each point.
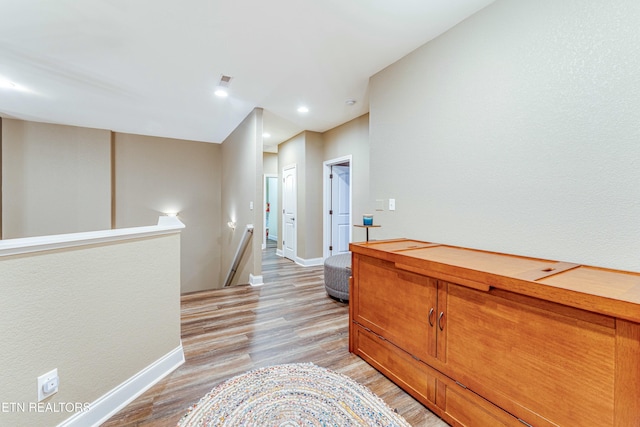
(340, 209)
(289, 212)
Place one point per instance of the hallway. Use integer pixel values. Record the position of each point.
(289, 319)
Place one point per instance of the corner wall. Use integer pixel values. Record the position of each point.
(517, 131)
(242, 186)
(352, 138)
(305, 150)
(155, 176)
(58, 179)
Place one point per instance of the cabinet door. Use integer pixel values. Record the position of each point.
(398, 305)
(545, 363)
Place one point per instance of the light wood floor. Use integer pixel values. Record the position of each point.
(229, 331)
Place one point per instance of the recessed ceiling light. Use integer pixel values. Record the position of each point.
(8, 84)
(221, 92)
(303, 109)
(266, 135)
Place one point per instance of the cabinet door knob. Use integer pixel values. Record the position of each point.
(440, 320)
(431, 316)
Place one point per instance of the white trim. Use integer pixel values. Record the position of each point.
(109, 404)
(313, 262)
(166, 225)
(326, 200)
(279, 253)
(255, 280)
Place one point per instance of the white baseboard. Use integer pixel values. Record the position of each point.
(279, 252)
(108, 405)
(310, 262)
(255, 280)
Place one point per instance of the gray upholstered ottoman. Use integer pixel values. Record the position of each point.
(337, 270)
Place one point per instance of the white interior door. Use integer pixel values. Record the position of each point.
(340, 208)
(289, 212)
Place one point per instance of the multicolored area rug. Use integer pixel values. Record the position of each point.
(291, 395)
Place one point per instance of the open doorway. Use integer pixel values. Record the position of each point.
(270, 210)
(337, 206)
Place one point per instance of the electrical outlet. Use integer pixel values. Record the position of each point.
(48, 384)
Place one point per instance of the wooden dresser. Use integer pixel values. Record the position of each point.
(488, 339)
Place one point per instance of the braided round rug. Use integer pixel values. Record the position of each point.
(300, 394)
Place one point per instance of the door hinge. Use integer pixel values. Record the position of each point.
(330, 248)
(330, 211)
(331, 176)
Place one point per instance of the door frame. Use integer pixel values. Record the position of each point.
(326, 200)
(264, 205)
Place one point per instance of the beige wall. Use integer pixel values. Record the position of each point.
(99, 314)
(312, 197)
(242, 185)
(56, 179)
(308, 151)
(290, 153)
(161, 175)
(305, 151)
(517, 131)
(270, 164)
(352, 138)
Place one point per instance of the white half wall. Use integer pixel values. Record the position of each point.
(100, 307)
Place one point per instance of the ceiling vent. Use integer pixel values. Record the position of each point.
(222, 90)
(225, 81)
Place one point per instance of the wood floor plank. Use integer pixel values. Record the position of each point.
(290, 319)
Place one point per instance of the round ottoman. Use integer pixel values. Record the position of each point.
(337, 270)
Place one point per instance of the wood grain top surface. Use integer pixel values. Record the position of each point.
(611, 292)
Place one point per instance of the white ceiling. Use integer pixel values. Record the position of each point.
(150, 66)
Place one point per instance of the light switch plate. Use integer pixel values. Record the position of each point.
(392, 204)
